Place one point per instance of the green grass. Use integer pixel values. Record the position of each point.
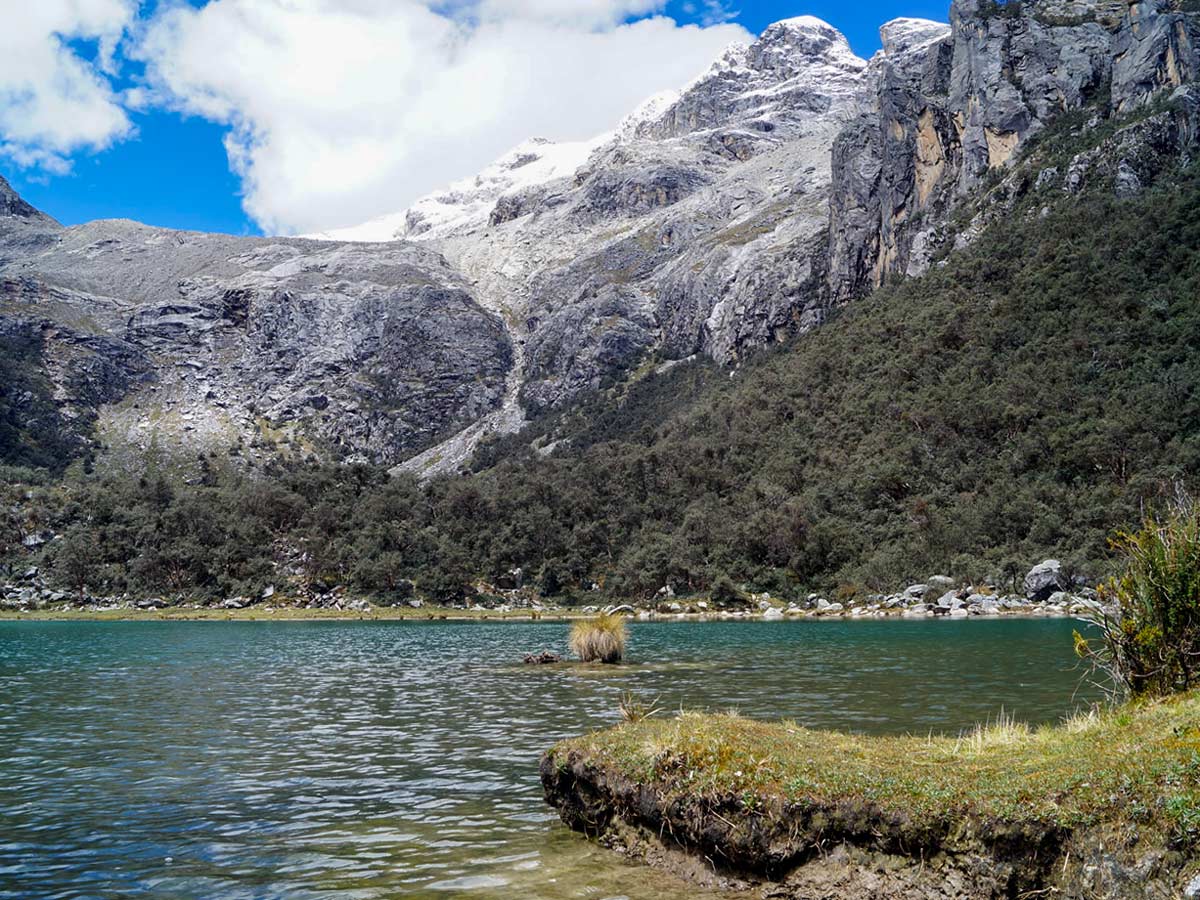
(1137, 764)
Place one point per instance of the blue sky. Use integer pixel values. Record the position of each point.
(172, 168)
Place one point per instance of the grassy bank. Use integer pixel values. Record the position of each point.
(769, 798)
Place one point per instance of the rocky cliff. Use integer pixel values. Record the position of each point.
(789, 178)
(940, 115)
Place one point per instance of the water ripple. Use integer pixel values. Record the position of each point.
(204, 761)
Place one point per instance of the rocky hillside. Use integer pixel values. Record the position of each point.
(790, 178)
(212, 342)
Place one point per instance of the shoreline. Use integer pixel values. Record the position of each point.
(449, 614)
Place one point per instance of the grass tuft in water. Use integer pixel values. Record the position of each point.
(601, 639)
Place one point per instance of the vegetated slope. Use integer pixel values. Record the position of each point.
(1019, 401)
(1023, 399)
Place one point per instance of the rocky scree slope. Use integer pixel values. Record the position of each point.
(208, 341)
(788, 179)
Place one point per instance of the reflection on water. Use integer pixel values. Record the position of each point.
(221, 761)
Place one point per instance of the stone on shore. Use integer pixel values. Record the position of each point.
(1044, 580)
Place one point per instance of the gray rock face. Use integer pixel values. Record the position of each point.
(352, 351)
(943, 112)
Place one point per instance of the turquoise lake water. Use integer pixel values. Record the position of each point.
(248, 761)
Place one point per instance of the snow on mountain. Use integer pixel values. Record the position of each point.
(466, 204)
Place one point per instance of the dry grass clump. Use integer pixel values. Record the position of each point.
(633, 709)
(601, 639)
(1005, 730)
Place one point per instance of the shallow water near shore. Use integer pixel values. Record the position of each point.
(222, 761)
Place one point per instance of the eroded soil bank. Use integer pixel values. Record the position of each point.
(1105, 806)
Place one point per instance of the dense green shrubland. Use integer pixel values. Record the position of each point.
(1018, 402)
(1150, 626)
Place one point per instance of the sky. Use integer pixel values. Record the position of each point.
(293, 116)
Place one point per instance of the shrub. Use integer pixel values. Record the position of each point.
(1150, 628)
(725, 593)
(601, 639)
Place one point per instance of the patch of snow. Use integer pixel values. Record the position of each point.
(648, 110)
(468, 203)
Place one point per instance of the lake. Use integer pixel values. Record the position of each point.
(222, 761)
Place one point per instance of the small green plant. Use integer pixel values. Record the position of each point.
(636, 710)
(601, 639)
(1150, 622)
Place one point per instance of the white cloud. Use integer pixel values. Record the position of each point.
(587, 13)
(54, 102)
(341, 110)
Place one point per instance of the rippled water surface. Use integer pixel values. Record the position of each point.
(213, 761)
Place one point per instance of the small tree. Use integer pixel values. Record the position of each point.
(725, 593)
(77, 561)
(1150, 623)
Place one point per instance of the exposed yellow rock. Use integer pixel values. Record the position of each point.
(931, 157)
(1001, 146)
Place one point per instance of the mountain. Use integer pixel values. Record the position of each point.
(788, 180)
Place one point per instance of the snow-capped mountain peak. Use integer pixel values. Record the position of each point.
(797, 68)
(906, 34)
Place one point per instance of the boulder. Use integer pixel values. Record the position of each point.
(1045, 579)
(949, 600)
(939, 582)
(772, 614)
